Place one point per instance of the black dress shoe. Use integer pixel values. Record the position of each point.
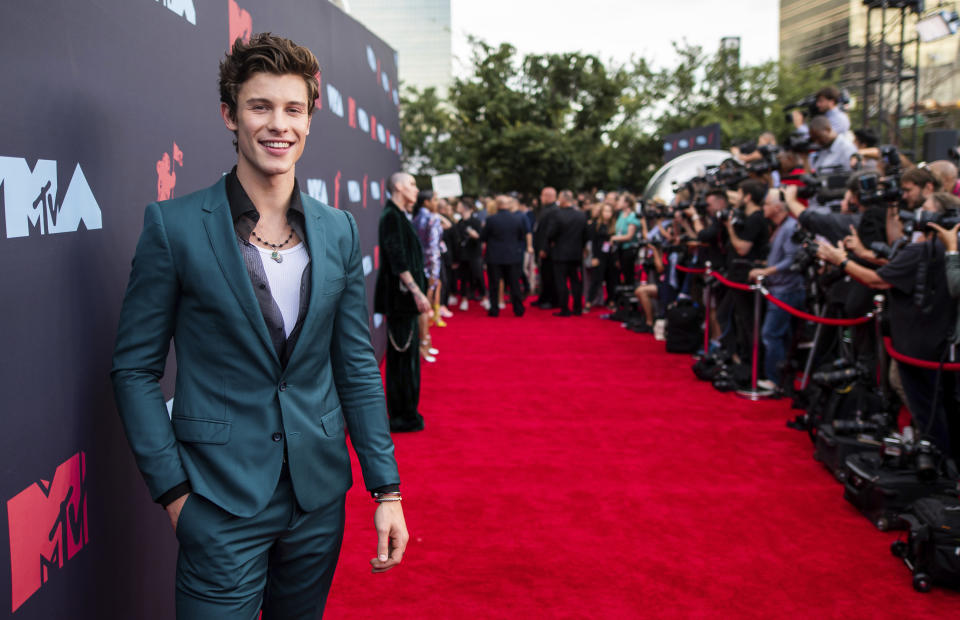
(545, 306)
(406, 425)
(493, 314)
(562, 313)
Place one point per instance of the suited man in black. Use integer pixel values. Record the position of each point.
(470, 252)
(548, 206)
(566, 237)
(505, 234)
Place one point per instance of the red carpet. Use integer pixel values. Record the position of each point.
(573, 469)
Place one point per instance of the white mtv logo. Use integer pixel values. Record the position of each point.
(183, 8)
(30, 199)
(317, 189)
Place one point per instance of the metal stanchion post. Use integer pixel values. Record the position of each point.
(881, 354)
(813, 351)
(753, 393)
(706, 304)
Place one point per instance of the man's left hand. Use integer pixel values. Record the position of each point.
(392, 536)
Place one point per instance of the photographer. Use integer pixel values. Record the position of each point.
(782, 282)
(922, 316)
(916, 186)
(712, 234)
(748, 235)
(835, 151)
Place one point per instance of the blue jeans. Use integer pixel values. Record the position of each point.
(777, 332)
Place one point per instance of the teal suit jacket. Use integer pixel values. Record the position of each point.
(233, 396)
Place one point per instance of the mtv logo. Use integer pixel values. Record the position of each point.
(371, 59)
(381, 134)
(396, 97)
(353, 191)
(385, 81)
(30, 199)
(240, 22)
(393, 143)
(48, 526)
(375, 190)
(363, 120)
(166, 174)
(335, 99)
(183, 8)
(367, 265)
(317, 189)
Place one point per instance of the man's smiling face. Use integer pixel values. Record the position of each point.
(271, 123)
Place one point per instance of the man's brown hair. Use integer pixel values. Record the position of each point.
(920, 177)
(266, 53)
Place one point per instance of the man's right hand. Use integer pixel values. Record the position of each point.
(174, 508)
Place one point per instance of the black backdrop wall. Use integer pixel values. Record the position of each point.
(107, 105)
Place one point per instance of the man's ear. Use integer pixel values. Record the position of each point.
(309, 121)
(228, 119)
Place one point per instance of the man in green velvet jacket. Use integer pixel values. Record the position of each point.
(262, 290)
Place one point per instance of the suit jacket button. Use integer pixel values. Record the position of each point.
(277, 437)
(283, 386)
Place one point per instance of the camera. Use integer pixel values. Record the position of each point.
(874, 424)
(768, 161)
(807, 106)
(843, 374)
(902, 451)
(826, 189)
(801, 143)
(874, 190)
(920, 220)
(806, 256)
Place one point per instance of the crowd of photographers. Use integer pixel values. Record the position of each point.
(824, 224)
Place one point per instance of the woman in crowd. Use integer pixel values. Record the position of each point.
(429, 229)
(448, 244)
(603, 263)
(626, 236)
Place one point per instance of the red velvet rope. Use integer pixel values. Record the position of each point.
(814, 318)
(913, 361)
(736, 285)
(691, 269)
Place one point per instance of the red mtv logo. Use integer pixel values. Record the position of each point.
(241, 24)
(166, 173)
(48, 526)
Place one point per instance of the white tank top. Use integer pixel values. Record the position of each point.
(284, 278)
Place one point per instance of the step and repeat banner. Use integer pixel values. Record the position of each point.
(108, 105)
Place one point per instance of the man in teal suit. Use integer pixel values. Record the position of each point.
(262, 290)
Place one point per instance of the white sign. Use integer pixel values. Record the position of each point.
(447, 185)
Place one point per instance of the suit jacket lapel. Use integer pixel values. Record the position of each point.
(316, 244)
(223, 240)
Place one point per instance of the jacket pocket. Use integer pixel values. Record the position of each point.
(201, 430)
(332, 286)
(332, 422)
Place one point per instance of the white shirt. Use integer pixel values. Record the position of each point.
(284, 279)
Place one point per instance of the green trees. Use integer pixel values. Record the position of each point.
(569, 120)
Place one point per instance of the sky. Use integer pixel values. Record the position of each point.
(615, 29)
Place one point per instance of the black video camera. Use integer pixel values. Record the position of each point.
(828, 188)
(873, 190)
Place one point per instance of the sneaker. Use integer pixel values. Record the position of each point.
(445, 312)
(427, 357)
(452, 300)
(502, 305)
(659, 330)
(766, 385)
(485, 303)
(464, 305)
